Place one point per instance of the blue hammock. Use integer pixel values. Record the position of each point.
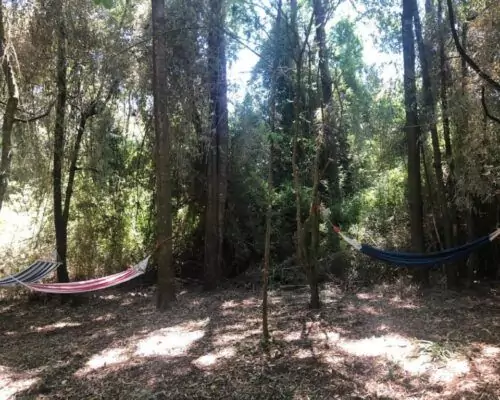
(35, 272)
(421, 259)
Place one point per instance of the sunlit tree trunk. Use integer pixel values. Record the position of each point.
(270, 190)
(163, 135)
(10, 111)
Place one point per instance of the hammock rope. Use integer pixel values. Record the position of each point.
(419, 259)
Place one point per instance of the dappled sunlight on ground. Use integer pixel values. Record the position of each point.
(167, 342)
(211, 359)
(105, 358)
(408, 355)
(362, 345)
(12, 383)
(55, 326)
(390, 346)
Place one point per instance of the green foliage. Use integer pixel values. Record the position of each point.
(105, 3)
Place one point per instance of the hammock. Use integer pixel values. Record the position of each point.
(91, 284)
(419, 259)
(35, 272)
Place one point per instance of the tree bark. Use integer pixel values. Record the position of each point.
(59, 131)
(444, 69)
(444, 80)
(296, 111)
(163, 137)
(219, 143)
(267, 240)
(303, 229)
(412, 129)
(325, 134)
(330, 152)
(466, 272)
(10, 111)
(430, 116)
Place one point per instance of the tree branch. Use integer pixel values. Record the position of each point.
(463, 53)
(36, 117)
(485, 107)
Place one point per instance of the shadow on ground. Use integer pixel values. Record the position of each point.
(368, 345)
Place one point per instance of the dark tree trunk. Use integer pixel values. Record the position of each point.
(61, 79)
(430, 116)
(412, 129)
(466, 271)
(10, 112)
(330, 155)
(444, 70)
(444, 80)
(163, 145)
(218, 151)
(325, 136)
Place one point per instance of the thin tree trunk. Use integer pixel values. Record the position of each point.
(267, 245)
(466, 271)
(10, 111)
(430, 115)
(412, 129)
(59, 132)
(222, 130)
(301, 255)
(444, 69)
(163, 135)
(267, 241)
(73, 168)
(430, 194)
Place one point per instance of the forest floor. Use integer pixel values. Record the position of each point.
(381, 343)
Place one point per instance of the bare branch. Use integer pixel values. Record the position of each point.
(463, 53)
(485, 107)
(36, 117)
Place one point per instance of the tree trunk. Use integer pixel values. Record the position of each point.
(444, 78)
(325, 134)
(303, 229)
(10, 111)
(466, 272)
(60, 225)
(218, 152)
(430, 194)
(330, 156)
(301, 256)
(444, 69)
(412, 129)
(430, 116)
(163, 136)
(267, 241)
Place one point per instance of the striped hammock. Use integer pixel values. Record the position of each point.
(419, 259)
(91, 285)
(34, 273)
